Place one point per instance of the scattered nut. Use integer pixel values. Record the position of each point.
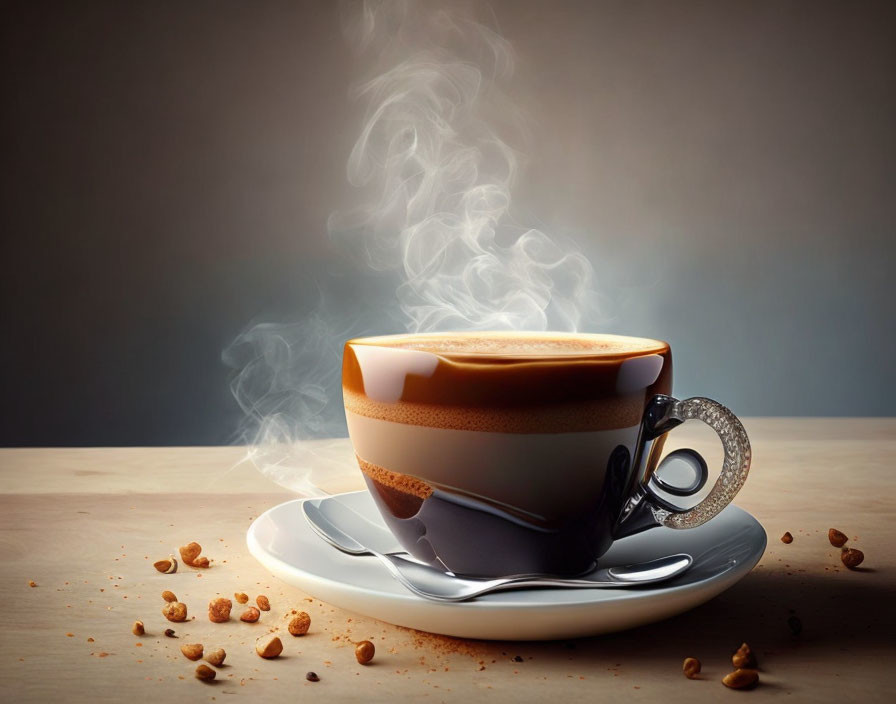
(216, 657)
(300, 624)
(175, 611)
(32, 583)
(838, 540)
(263, 603)
(200, 562)
(169, 632)
(137, 629)
(268, 646)
(241, 598)
(744, 658)
(741, 679)
(796, 626)
(205, 673)
(851, 557)
(250, 615)
(691, 668)
(787, 538)
(168, 596)
(192, 651)
(312, 677)
(189, 552)
(364, 651)
(219, 610)
(168, 566)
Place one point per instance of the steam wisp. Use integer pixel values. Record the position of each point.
(434, 181)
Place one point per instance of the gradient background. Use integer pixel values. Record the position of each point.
(168, 168)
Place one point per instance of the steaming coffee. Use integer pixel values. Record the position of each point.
(507, 453)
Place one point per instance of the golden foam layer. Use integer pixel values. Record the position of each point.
(483, 345)
(601, 414)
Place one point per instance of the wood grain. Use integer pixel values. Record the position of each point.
(86, 525)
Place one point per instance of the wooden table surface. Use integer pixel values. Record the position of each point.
(86, 525)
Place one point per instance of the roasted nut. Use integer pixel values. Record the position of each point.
(169, 632)
(741, 679)
(205, 673)
(241, 598)
(263, 603)
(787, 538)
(175, 611)
(168, 596)
(200, 562)
(168, 566)
(364, 651)
(250, 615)
(216, 657)
(192, 651)
(312, 677)
(32, 583)
(691, 668)
(219, 610)
(137, 629)
(743, 658)
(300, 624)
(838, 540)
(851, 557)
(189, 552)
(268, 646)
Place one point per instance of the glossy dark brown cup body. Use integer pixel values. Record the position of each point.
(496, 454)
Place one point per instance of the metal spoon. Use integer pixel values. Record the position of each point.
(432, 584)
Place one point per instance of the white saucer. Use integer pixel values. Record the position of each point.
(724, 551)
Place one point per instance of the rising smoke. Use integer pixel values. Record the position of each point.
(432, 180)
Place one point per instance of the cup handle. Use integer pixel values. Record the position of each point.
(646, 508)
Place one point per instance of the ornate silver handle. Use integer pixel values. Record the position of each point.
(646, 508)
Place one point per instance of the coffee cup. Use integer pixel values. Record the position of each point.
(504, 453)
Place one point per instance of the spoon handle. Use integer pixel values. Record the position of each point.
(438, 586)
